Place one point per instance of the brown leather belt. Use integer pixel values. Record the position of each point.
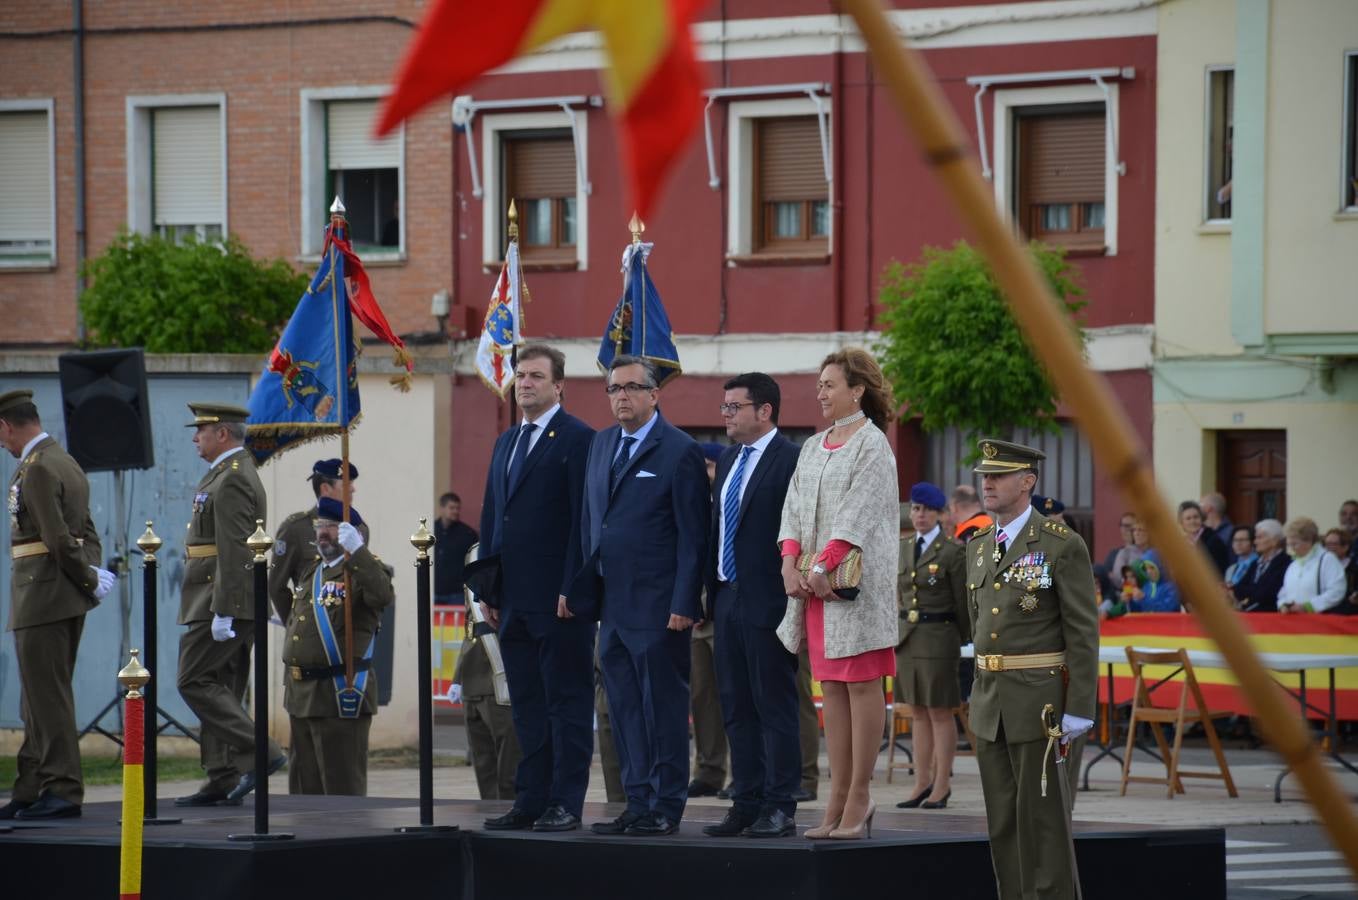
(33, 548)
(200, 551)
(1007, 663)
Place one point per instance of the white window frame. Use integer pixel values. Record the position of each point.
(1207, 140)
(741, 117)
(1009, 102)
(140, 178)
(314, 166)
(47, 105)
(1349, 87)
(494, 127)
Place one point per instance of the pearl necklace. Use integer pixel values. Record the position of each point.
(849, 420)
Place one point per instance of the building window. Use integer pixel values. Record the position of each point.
(27, 234)
(1060, 163)
(539, 176)
(364, 174)
(1350, 188)
(176, 166)
(1220, 132)
(792, 203)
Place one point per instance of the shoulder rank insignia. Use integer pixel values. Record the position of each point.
(980, 533)
(1060, 531)
(235, 465)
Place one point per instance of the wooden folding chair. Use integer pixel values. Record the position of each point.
(1144, 710)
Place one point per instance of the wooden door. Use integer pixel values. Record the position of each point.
(1252, 474)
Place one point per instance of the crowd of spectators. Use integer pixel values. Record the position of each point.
(1266, 566)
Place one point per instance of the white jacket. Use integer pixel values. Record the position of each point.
(1314, 582)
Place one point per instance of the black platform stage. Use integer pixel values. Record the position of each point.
(347, 847)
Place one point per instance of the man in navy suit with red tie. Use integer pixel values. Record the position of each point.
(756, 675)
(644, 534)
(531, 518)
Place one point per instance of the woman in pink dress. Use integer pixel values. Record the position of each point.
(842, 496)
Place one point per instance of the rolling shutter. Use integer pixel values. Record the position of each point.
(790, 163)
(187, 162)
(25, 177)
(541, 167)
(1067, 158)
(349, 143)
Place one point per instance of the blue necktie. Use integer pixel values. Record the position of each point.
(520, 454)
(730, 510)
(621, 460)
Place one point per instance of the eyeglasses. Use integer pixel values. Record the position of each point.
(630, 387)
(733, 408)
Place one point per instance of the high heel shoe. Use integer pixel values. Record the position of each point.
(822, 831)
(916, 800)
(937, 804)
(864, 829)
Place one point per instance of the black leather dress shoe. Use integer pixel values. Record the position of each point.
(723, 794)
(514, 820)
(50, 806)
(618, 825)
(205, 797)
(698, 788)
(248, 780)
(731, 826)
(802, 795)
(772, 823)
(9, 809)
(556, 818)
(653, 824)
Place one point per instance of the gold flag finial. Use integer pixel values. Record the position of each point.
(513, 221)
(259, 542)
(149, 543)
(133, 676)
(422, 539)
(636, 226)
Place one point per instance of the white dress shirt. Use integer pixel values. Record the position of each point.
(541, 423)
(213, 464)
(1014, 529)
(28, 448)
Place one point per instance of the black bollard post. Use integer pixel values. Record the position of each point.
(149, 544)
(259, 543)
(422, 540)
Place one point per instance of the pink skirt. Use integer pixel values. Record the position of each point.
(869, 666)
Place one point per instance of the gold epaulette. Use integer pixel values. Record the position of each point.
(1056, 528)
(980, 533)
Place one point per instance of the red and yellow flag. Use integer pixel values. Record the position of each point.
(652, 80)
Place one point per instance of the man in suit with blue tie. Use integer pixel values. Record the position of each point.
(531, 518)
(644, 534)
(756, 675)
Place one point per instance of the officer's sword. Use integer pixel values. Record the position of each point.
(1055, 748)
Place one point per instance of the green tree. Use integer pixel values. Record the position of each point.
(952, 351)
(187, 298)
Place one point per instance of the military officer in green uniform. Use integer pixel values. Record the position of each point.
(1036, 632)
(330, 724)
(217, 606)
(934, 624)
(294, 547)
(54, 581)
(479, 684)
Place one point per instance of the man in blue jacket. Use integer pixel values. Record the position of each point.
(644, 534)
(531, 518)
(756, 676)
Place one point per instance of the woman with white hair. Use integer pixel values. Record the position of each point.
(1257, 589)
(1314, 581)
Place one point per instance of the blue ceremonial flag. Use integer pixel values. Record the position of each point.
(639, 325)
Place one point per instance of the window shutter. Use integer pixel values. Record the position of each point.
(25, 177)
(541, 167)
(1067, 158)
(348, 134)
(187, 161)
(790, 163)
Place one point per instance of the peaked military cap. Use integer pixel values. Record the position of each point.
(1048, 506)
(331, 468)
(930, 495)
(328, 509)
(11, 399)
(216, 414)
(998, 457)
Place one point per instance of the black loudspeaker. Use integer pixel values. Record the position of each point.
(108, 418)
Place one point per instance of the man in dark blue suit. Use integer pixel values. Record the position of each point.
(531, 518)
(756, 675)
(644, 534)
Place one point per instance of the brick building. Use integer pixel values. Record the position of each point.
(771, 235)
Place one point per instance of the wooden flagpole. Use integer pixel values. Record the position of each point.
(336, 221)
(1116, 446)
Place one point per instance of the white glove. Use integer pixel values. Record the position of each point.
(1074, 726)
(106, 582)
(454, 693)
(349, 538)
(221, 627)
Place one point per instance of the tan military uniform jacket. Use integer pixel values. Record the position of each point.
(1040, 598)
(49, 501)
(228, 500)
(935, 584)
(294, 553)
(302, 646)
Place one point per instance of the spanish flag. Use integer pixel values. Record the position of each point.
(653, 81)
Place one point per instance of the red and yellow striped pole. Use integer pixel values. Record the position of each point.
(133, 676)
